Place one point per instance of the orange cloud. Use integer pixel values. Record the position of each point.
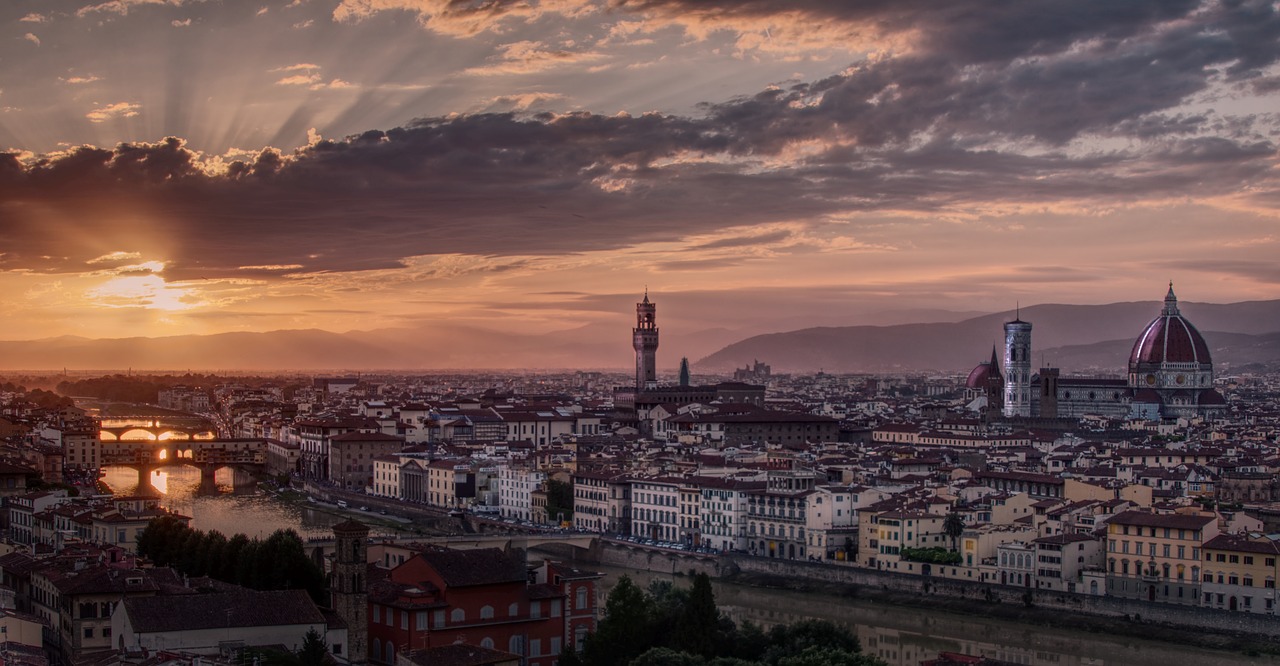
(112, 111)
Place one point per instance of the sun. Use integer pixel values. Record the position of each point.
(142, 291)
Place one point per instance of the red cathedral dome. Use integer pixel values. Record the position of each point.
(1170, 338)
(982, 375)
(979, 376)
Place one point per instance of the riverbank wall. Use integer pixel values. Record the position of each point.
(958, 595)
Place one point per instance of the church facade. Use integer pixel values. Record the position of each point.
(1170, 375)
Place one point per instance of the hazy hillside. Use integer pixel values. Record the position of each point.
(1069, 336)
(1074, 337)
(439, 346)
(1228, 350)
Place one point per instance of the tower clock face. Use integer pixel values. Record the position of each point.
(1151, 380)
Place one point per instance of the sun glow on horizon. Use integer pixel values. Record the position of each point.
(142, 291)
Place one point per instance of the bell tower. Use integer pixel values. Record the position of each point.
(1017, 368)
(348, 586)
(644, 338)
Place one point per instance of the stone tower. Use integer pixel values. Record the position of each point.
(349, 586)
(644, 338)
(1017, 368)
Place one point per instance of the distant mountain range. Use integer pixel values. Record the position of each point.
(1076, 338)
(1093, 338)
(436, 347)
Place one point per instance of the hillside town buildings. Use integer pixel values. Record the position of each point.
(1157, 487)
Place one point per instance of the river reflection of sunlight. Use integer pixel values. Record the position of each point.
(238, 506)
(160, 481)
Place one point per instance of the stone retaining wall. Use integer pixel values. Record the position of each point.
(1191, 618)
(1187, 617)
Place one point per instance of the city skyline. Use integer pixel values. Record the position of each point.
(179, 167)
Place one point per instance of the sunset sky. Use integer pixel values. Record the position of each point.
(201, 166)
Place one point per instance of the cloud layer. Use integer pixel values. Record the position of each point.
(979, 114)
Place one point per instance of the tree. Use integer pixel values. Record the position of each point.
(700, 621)
(570, 657)
(625, 630)
(793, 640)
(953, 526)
(314, 652)
(827, 656)
(559, 500)
(661, 656)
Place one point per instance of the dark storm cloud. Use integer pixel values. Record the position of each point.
(983, 113)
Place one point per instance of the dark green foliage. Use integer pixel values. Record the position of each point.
(570, 657)
(793, 641)
(661, 656)
(626, 629)
(314, 651)
(699, 628)
(931, 555)
(279, 563)
(36, 484)
(559, 500)
(670, 626)
(953, 526)
(49, 400)
(826, 656)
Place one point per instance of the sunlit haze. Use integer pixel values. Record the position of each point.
(172, 167)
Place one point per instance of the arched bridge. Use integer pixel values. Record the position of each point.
(155, 429)
(207, 455)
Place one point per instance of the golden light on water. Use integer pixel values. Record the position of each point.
(160, 479)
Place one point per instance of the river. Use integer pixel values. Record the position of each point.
(898, 635)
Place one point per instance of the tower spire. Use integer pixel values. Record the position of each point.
(1170, 302)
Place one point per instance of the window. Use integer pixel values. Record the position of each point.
(438, 622)
(458, 615)
(88, 632)
(581, 601)
(421, 621)
(486, 612)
